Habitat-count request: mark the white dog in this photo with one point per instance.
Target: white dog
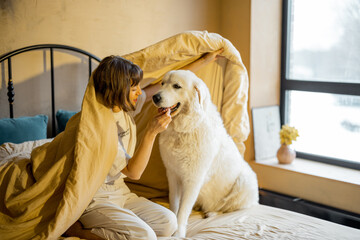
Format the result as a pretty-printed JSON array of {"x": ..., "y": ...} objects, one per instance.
[{"x": 203, "y": 164}]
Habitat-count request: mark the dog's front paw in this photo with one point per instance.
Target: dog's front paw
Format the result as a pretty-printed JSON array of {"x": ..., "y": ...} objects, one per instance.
[
  {"x": 210, "y": 214},
  {"x": 180, "y": 232}
]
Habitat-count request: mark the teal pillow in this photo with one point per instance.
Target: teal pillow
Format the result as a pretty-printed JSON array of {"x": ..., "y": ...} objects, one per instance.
[
  {"x": 22, "y": 129},
  {"x": 62, "y": 117}
]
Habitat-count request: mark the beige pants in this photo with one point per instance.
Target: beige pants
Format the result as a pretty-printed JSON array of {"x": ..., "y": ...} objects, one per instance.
[{"x": 138, "y": 219}]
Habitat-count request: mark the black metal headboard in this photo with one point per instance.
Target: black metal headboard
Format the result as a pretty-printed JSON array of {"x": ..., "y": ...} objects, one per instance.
[{"x": 51, "y": 47}]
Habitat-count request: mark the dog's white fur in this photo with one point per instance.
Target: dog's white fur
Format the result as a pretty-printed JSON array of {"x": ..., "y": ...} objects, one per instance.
[{"x": 202, "y": 162}]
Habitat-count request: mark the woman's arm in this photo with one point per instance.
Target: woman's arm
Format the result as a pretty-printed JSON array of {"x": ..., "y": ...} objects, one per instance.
[
  {"x": 204, "y": 60},
  {"x": 139, "y": 161},
  {"x": 194, "y": 66}
]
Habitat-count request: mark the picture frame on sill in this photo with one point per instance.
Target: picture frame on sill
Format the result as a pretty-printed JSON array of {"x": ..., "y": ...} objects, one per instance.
[{"x": 266, "y": 127}]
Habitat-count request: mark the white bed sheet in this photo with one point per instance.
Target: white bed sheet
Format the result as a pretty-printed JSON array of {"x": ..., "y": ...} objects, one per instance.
[
  {"x": 264, "y": 222},
  {"x": 259, "y": 222}
]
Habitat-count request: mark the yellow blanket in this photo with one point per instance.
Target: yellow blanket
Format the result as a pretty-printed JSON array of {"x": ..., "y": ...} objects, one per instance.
[
  {"x": 42, "y": 196},
  {"x": 226, "y": 78}
]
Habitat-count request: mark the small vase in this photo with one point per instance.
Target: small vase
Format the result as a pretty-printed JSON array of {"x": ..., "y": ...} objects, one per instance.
[{"x": 285, "y": 154}]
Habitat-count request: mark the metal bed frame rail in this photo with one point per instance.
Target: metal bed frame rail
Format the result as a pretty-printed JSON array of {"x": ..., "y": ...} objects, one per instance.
[{"x": 51, "y": 47}]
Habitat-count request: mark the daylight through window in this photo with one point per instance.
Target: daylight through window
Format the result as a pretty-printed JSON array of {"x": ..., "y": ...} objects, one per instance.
[{"x": 320, "y": 85}]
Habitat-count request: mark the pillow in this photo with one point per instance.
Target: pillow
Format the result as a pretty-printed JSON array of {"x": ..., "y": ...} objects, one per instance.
[
  {"x": 62, "y": 117},
  {"x": 18, "y": 130}
]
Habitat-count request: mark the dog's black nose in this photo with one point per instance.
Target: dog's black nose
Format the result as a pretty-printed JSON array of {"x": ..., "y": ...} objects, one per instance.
[{"x": 156, "y": 98}]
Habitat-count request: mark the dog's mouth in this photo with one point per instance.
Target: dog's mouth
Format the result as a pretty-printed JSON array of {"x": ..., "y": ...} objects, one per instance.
[{"x": 173, "y": 108}]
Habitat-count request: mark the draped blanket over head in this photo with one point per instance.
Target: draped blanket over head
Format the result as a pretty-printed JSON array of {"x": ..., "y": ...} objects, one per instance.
[
  {"x": 42, "y": 196},
  {"x": 227, "y": 80}
]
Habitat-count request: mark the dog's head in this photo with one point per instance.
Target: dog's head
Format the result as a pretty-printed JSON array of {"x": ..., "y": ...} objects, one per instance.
[{"x": 183, "y": 93}]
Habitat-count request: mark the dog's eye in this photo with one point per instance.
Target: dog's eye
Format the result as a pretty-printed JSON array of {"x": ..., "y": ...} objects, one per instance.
[
  {"x": 162, "y": 83},
  {"x": 176, "y": 86}
]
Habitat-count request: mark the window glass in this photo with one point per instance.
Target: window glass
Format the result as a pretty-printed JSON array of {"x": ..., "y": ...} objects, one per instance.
[
  {"x": 324, "y": 41},
  {"x": 328, "y": 124}
]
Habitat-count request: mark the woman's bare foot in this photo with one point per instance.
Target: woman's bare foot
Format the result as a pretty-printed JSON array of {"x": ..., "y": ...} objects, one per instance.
[{"x": 78, "y": 230}]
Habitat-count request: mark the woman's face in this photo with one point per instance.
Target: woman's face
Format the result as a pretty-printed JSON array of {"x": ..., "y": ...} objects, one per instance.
[{"x": 135, "y": 91}]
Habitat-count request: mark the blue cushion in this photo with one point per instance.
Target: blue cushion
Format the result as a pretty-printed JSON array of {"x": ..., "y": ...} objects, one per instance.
[
  {"x": 22, "y": 129},
  {"x": 62, "y": 117}
]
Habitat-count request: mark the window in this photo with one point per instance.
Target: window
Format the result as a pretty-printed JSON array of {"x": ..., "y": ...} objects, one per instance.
[{"x": 320, "y": 79}]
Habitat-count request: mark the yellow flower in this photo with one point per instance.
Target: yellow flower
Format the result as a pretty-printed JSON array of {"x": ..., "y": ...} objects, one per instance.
[{"x": 288, "y": 134}]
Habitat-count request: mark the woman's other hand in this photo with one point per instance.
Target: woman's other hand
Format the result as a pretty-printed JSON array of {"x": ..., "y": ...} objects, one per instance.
[
  {"x": 212, "y": 56},
  {"x": 203, "y": 60}
]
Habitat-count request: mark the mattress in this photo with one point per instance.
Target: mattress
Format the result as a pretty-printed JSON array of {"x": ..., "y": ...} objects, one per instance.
[
  {"x": 264, "y": 222},
  {"x": 258, "y": 222}
]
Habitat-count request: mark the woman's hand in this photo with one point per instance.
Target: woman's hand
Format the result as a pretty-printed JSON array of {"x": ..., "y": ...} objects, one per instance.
[
  {"x": 204, "y": 60},
  {"x": 212, "y": 56},
  {"x": 159, "y": 123}
]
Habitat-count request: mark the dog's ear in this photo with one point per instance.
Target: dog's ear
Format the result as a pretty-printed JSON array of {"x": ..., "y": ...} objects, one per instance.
[
  {"x": 198, "y": 93},
  {"x": 202, "y": 93}
]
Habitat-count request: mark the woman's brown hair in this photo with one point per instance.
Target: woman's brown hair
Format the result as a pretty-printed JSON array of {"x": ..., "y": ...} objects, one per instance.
[{"x": 113, "y": 79}]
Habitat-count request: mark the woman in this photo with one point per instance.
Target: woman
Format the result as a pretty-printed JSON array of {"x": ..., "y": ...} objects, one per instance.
[{"x": 115, "y": 212}]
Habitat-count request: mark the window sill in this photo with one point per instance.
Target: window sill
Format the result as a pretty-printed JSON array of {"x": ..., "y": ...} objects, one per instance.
[{"x": 314, "y": 181}]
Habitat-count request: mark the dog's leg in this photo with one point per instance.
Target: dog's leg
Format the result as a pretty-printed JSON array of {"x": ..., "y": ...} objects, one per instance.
[
  {"x": 190, "y": 192},
  {"x": 174, "y": 192}
]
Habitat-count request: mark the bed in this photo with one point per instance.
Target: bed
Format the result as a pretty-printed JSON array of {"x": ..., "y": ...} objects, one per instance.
[{"x": 24, "y": 129}]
